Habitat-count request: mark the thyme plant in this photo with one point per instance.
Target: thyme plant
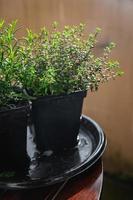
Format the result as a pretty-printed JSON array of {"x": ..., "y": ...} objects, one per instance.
[
  {"x": 8, "y": 64},
  {"x": 51, "y": 62},
  {"x": 61, "y": 62}
]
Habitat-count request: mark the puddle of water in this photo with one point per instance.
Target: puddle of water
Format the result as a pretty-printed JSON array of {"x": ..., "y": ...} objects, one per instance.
[{"x": 116, "y": 190}]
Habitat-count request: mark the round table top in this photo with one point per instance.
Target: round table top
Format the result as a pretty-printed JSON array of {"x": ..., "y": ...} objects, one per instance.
[{"x": 86, "y": 186}]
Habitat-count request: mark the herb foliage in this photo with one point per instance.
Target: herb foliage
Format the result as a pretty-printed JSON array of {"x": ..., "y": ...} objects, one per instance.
[{"x": 51, "y": 62}]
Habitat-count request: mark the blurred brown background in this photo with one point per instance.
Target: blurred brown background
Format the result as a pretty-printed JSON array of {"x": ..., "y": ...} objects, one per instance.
[{"x": 112, "y": 105}]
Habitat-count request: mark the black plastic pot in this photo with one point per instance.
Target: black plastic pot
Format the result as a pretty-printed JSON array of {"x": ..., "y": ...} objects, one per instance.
[
  {"x": 13, "y": 138},
  {"x": 56, "y": 121}
]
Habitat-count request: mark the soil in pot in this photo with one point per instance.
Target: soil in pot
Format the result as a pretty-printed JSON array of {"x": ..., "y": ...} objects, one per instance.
[
  {"x": 13, "y": 138},
  {"x": 56, "y": 121}
]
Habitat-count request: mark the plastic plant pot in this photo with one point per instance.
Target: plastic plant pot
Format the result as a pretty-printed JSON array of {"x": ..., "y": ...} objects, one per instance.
[
  {"x": 56, "y": 121},
  {"x": 13, "y": 138}
]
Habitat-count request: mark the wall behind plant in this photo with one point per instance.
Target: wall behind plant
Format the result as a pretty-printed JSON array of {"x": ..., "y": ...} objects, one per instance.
[{"x": 112, "y": 105}]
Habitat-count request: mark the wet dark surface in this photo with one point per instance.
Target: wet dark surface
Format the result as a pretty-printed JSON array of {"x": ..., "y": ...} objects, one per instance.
[
  {"x": 50, "y": 168},
  {"x": 85, "y": 186}
]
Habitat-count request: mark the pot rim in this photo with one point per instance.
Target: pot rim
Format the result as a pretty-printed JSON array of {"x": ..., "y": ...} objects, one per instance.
[
  {"x": 21, "y": 106},
  {"x": 61, "y": 96}
]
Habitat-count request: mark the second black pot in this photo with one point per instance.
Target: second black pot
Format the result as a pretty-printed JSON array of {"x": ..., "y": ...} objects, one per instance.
[
  {"x": 13, "y": 139},
  {"x": 56, "y": 121}
]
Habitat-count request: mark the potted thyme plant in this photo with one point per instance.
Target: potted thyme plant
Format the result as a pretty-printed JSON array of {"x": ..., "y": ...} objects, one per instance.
[
  {"x": 51, "y": 71},
  {"x": 57, "y": 69},
  {"x": 13, "y": 106}
]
